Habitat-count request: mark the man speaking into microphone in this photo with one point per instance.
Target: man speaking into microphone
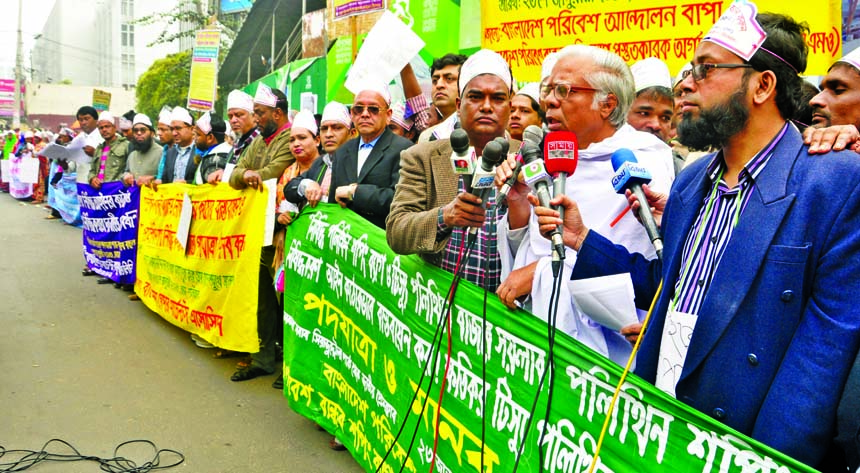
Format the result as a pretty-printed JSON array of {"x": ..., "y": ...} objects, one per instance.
[
  {"x": 434, "y": 206},
  {"x": 588, "y": 93}
]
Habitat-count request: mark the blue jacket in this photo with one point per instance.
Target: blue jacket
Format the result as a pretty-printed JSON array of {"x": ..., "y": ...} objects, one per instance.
[{"x": 779, "y": 327}]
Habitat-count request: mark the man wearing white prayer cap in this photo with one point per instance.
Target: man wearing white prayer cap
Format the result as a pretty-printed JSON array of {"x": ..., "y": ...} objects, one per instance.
[
  {"x": 215, "y": 153},
  {"x": 588, "y": 92},
  {"x": 179, "y": 163},
  {"x": 313, "y": 186},
  {"x": 401, "y": 125},
  {"x": 653, "y": 108},
  {"x": 162, "y": 128},
  {"x": 240, "y": 114},
  {"x": 433, "y": 224},
  {"x": 759, "y": 270},
  {"x": 265, "y": 158},
  {"x": 145, "y": 156},
  {"x": 525, "y": 110},
  {"x": 110, "y": 157},
  {"x": 838, "y": 103}
]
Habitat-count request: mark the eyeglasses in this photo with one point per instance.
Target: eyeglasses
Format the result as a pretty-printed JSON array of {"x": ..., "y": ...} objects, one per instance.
[
  {"x": 562, "y": 90},
  {"x": 139, "y": 131},
  {"x": 700, "y": 71},
  {"x": 373, "y": 109}
]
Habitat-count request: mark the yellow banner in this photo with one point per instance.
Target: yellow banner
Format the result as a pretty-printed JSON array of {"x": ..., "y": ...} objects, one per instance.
[
  {"x": 210, "y": 288},
  {"x": 525, "y": 31},
  {"x": 204, "y": 70}
]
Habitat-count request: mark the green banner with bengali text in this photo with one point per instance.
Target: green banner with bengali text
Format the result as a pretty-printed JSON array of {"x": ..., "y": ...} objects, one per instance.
[{"x": 359, "y": 327}]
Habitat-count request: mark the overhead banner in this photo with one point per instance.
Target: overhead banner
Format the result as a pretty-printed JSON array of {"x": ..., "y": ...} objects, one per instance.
[
  {"x": 204, "y": 70},
  {"x": 209, "y": 288},
  {"x": 525, "y": 31},
  {"x": 7, "y": 97},
  {"x": 109, "y": 217},
  {"x": 346, "y": 8},
  {"x": 359, "y": 327}
]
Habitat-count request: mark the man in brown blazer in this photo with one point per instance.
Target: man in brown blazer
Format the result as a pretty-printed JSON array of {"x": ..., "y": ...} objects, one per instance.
[{"x": 431, "y": 212}]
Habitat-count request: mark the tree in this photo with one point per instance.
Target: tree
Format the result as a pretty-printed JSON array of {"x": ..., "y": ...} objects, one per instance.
[
  {"x": 164, "y": 83},
  {"x": 195, "y": 13}
]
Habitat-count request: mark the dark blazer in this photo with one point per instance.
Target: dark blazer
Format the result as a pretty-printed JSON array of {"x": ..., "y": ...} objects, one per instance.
[
  {"x": 170, "y": 163},
  {"x": 779, "y": 328},
  {"x": 379, "y": 175}
]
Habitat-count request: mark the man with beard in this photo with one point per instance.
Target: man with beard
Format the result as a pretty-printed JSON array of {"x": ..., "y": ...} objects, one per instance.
[
  {"x": 756, "y": 323},
  {"x": 145, "y": 156},
  {"x": 588, "y": 92},
  {"x": 215, "y": 153},
  {"x": 265, "y": 158}
]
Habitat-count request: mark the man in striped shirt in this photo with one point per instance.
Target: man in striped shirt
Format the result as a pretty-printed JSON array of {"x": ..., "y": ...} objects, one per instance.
[{"x": 760, "y": 269}]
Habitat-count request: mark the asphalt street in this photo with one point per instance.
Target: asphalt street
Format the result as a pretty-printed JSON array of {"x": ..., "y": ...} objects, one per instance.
[{"x": 82, "y": 363}]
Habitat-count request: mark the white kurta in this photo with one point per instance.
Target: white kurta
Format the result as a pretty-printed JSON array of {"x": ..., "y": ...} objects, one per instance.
[{"x": 590, "y": 187}]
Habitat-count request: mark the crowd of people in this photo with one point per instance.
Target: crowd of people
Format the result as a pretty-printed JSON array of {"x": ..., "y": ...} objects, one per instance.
[{"x": 753, "y": 322}]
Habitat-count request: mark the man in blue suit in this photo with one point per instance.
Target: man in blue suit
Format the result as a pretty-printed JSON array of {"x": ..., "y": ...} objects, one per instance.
[{"x": 757, "y": 323}]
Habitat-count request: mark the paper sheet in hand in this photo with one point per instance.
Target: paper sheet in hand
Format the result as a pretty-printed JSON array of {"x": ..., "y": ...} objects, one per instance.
[
  {"x": 29, "y": 170},
  {"x": 6, "y": 170},
  {"x": 380, "y": 59},
  {"x": 55, "y": 151},
  {"x": 184, "y": 225},
  {"x": 607, "y": 300},
  {"x": 75, "y": 149},
  {"x": 269, "y": 229}
]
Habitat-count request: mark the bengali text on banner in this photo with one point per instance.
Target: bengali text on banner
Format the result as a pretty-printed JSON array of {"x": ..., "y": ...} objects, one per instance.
[
  {"x": 525, "y": 31},
  {"x": 209, "y": 288},
  {"x": 359, "y": 327},
  {"x": 109, "y": 216}
]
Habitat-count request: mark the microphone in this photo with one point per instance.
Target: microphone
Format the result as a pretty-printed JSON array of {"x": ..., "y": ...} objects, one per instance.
[
  {"x": 485, "y": 174},
  {"x": 561, "y": 154},
  {"x": 629, "y": 174},
  {"x": 506, "y": 146},
  {"x": 535, "y": 175},
  {"x": 463, "y": 156},
  {"x": 532, "y": 134}
]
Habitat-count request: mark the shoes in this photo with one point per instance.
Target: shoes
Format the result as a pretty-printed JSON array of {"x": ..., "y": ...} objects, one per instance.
[
  {"x": 200, "y": 341},
  {"x": 251, "y": 372},
  {"x": 128, "y": 287},
  {"x": 117, "y": 285},
  {"x": 223, "y": 353},
  {"x": 51, "y": 217},
  {"x": 133, "y": 297},
  {"x": 279, "y": 383},
  {"x": 87, "y": 272},
  {"x": 104, "y": 281},
  {"x": 336, "y": 445}
]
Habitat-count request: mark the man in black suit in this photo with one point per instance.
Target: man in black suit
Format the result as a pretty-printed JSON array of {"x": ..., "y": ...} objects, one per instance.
[{"x": 366, "y": 169}]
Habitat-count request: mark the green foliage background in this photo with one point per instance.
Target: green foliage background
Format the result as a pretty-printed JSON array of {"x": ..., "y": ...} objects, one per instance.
[{"x": 164, "y": 83}]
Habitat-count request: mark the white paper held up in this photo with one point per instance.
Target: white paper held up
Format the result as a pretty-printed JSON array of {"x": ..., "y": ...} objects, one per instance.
[
  {"x": 29, "y": 170},
  {"x": 184, "y": 225},
  {"x": 380, "y": 59},
  {"x": 607, "y": 300},
  {"x": 269, "y": 229}
]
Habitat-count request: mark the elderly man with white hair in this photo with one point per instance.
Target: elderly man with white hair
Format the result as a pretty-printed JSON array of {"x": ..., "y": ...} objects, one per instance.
[{"x": 589, "y": 93}]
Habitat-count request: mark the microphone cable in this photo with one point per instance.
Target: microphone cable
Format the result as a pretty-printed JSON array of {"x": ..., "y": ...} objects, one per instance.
[
  {"x": 116, "y": 464},
  {"x": 552, "y": 330}
]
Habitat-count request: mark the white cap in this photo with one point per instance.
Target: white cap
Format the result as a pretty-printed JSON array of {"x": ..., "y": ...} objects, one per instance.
[
  {"x": 738, "y": 30},
  {"x": 336, "y": 112},
  {"x": 239, "y": 99},
  {"x": 482, "y": 62},
  {"x": 547, "y": 65},
  {"x": 651, "y": 72},
  {"x": 142, "y": 120},
  {"x": 305, "y": 119},
  {"x": 164, "y": 115},
  {"x": 265, "y": 96},
  {"x": 379, "y": 88},
  {"x": 398, "y": 111},
  {"x": 204, "y": 123},
  {"x": 124, "y": 123},
  {"x": 532, "y": 89},
  {"x": 179, "y": 114},
  {"x": 852, "y": 58},
  {"x": 28, "y": 134},
  {"x": 680, "y": 75},
  {"x": 105, "y": 117},
  {"x": 68, "y": 132}
]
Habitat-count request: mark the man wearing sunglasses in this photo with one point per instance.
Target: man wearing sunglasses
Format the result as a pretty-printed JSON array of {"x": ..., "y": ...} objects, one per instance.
[
  {"x": 760, "y": 269},
  {"x": 366, "y": 169},
  {"x": 589, "y": 92}
]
